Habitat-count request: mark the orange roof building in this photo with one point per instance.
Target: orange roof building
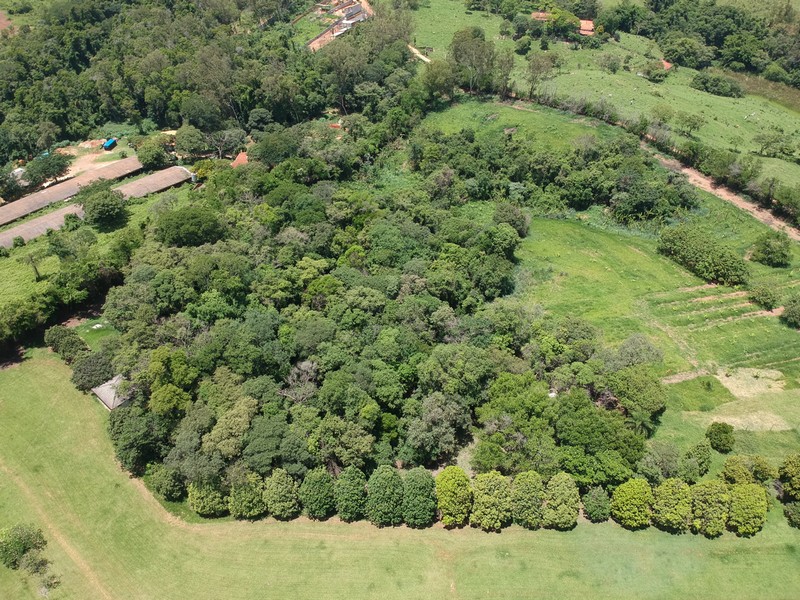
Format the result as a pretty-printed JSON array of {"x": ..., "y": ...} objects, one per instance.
[
  {"x": 587, "y": 27},
  {"x": 241, "y": 159}
]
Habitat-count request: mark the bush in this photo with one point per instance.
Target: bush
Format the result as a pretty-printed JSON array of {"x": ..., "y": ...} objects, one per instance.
[
  {"x": 104, "y": 209},
  {"x": 385, "y": 497},
  {"x": 718, "y": 85},
  {"x": 597, "y": 505},
  {"x": 791, "y": 311},
  {"x": 17, "y": 541},
  {"x": 491, "y": 506},
  {"x": 66, "y": 343},
  {"x": 631, "y": 504},
  {"x": 789, "y": 474},
  {"x": 792, "y": 513},
  {"x": 527, "y": 496},
  {"x": 152, "y": 155},
  {"x": 91, "y": 370},
  {"x": 316, "y": 494},
  {"x": 350, "y": 494},
  {"x": 748, "y": 509},
  {"x": 207, "y": 500},
  {"x": 246, "y": 500},
  {"x": 46, "y": 167},
  {"x": 765, "y": 296},
  {"x": 720, "y": 436},
  {"x": 672, "y": 506},
  {"x": 419, "y": 498},
  {"x": 774, "y": 249},
  {"x": 189, "y": 226},
  {"x": 710, "y": 505},
  {"x": 701, "y": 454},
  {"x": 165, "y": 482},
  {"x": 703, "y": 255},
  {"x": 453, "y": 496},
  {"x": 281, "y": 496},
  {"x": 743, "y": 468},
  {"x": 18, "y": 242},
  {"x": 561, "y": 502}
]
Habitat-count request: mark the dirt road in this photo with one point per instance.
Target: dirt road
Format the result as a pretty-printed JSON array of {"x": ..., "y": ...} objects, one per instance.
[{"x": 419, "y": 54}]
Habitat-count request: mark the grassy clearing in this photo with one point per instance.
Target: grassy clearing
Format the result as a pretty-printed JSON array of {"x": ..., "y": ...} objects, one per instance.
[
  {"x": 108, "y": 539},
  {"x": 94, "y": 331}
]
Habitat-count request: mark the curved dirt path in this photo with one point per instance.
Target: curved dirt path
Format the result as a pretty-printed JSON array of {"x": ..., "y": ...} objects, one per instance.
[
  {"x": 55, "y": 534},
  {"x": 697, "y": 179},
  {"x": 419, "y": 54}
]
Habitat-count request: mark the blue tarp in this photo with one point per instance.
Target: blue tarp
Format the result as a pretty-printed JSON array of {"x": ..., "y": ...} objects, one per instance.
[{"x": 109, "y": 144}]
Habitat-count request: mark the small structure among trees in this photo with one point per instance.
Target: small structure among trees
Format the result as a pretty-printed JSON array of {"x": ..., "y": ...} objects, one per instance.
[{"x": 108, "y": 393}]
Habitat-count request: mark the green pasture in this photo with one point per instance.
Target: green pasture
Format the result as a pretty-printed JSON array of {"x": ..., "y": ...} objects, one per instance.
[{"x": 108, "y": 538}]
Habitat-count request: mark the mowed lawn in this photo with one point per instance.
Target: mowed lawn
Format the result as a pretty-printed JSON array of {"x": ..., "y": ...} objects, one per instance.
[{"x": 109, "y": 539}]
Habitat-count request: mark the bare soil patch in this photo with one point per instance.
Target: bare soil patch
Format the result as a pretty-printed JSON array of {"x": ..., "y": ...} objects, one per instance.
[
  {"x": 759, "y": 420},
  {"x": 750, "y": 383},
  {"x": 5, "y": 22}
]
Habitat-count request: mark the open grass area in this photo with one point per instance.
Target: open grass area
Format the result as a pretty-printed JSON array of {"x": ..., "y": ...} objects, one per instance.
[{"x": 110, "y": 539}]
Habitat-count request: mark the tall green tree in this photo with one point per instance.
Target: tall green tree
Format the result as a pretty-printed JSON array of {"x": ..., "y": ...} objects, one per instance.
[
  {"x": 385, "y": 497},
  {"x": 454, "y": 496}
]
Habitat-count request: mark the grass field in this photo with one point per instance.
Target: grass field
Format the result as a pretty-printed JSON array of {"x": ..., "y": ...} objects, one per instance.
[{"x": 108, "y": 539}]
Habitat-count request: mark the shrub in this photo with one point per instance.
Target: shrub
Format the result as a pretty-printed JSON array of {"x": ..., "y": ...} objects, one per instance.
[
  {"x": 719, "y": 85},
  {"x": 597, "y": 505},
  {"x": 189, "y": 226},
  {"x": 207, "y": 500},
  {"x": 419, "y": 498},
  {"x": 316, "y": 494},
  {"x": 703, "y": 255},
  {"x": 350, "y": 494},
  {"x": 700, "y": 453},
  {"x": 453, "y": 496},
  {"x": 789, "y": 474},
  {"x": 104, "y": 209},
  {"x": 710, "y": 504},
  {"x": 748, "y": 509},
  {"x": 17, "y": 541},
  {"x": 743, "y": 468},
  {"x": 91, "y": 370},
  {"x": 246, "y": 500},
  {"x": 527, "y": 496},
  {"x": 672, "y": 505},
  {"x": 765, "y": 296},
  {"x": 792, "y": 513},
  {"x": 165, "y": 482},
  {"x": 720, "y": 436},
  {"x": 491, "y": 506},
  {"x": 66, "y": 343},
  {"x": 774, "y": 249},
  {"x": 561, "y": 502},
  {"x": 631, "y": 504},
  {"x": 152, "y": 155},
  {"x": 791, "y": 311},
  {"x": 18, "y": 242},
  {"x": 385, "y": 497},
  {"x": 280, "y": 495}
]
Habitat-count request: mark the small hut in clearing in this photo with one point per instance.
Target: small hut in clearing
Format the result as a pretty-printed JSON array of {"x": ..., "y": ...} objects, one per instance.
[{"x": 108, "y": 393}]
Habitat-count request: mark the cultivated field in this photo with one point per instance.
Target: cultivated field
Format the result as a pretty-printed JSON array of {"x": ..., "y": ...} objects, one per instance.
[{"x": 110, "y": 539}]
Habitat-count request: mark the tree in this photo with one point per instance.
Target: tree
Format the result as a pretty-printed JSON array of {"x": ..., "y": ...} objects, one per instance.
[
  {"x": 473, "y": 57},
  {"x": 454, "y": 496},
  {"x": 165, "y": 481},
  {"x": 792, "y": 513},
  {"x": 697, "y": 460},
  {"x": 169, "y": 400},
  {"x": 246, "y": 499},
  {"x": 207, "y": 499},
  {"x": 17, "y": 541},
  {"x": 720, "y": 436},
  {"x": 227, "y": 437},
  {"x": 748, "y": 509},
  {"x": 672, "y": 505},
  {"x": 597, "y": 505},
  {"x": 419, "y": 498},
  {"x": 439, "y": 79},
  {"x": 339, "y": 443},
  {"x": 527, "y": 497},
  {"x": 45, "y": 168},
  {"x": 190, "y": 141},
  {"x": 385, "y": 497},
  {"x": 152, "y": 155},
  {"x": 350, "y": 494},
  {"x": 710, "y": 505},
  {"x": 492, "y": 505},
  {"x": 227, "y": 141},
  {"x": 561, "y": 502},
  {"x": 281, "y": 495},
  {"x": 689, "y": 122},
  {"x": 92, "y": 370},
  {"x": 631, "y": 504},
  {"x": 744, "y": 468},
  {"x": 540, "y": 68},
  {"x": 189, "y": 226},
  {"x": 773, "y": 248},
  {"x": 789, "y": 474},
  {"x": 317, "y": 495}
]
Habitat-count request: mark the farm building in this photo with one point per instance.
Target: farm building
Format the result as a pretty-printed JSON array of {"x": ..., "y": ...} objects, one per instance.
[
  {"x": 108, "y": 393},
  {"x": 241, "y": 159}
]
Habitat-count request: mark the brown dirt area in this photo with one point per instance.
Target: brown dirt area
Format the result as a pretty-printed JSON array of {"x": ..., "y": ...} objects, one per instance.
[{"x": 5, "y": 22}]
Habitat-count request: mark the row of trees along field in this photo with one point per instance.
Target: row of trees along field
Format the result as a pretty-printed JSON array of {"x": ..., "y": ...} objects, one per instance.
[{"x": 738, "y": 500}]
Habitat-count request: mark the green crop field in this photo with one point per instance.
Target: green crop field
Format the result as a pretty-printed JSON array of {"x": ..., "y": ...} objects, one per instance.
[{"x": 108, "y": 538}]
